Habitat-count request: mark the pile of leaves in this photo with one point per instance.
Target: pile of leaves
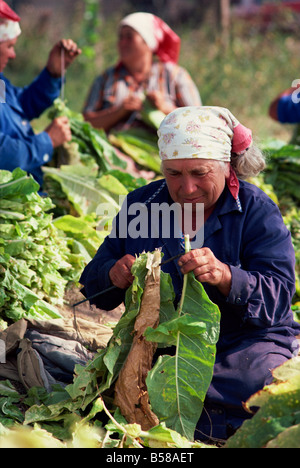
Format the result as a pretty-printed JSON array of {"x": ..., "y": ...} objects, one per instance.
[
  {"x": 92, "y": 146},
  {"x": 88, "y": 145},
  {"x": 36, "y": 264},
  {"x": 160, "y": 405},
  {"x": 140, "y": 145},
  {"x": 87, "y": 204}
]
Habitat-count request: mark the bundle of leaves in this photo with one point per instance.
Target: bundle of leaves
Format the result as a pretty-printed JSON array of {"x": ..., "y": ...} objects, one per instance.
[
  {"x": 88, "y": 145},
  {"x": 283, "y": 169},
  {"x": 147, "y": 403},
  {"x": 35, "y": 262}
]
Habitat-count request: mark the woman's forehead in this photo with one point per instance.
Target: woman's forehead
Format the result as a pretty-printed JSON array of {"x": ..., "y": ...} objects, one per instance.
[
  {"x": 190, "y": 164},
  {"x": 127, "y": 30}
]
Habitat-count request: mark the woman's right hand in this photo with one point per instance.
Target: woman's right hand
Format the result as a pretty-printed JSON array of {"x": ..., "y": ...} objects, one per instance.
[
  {"x": 132, "y": 103},
  {"x": 120, "y": 274}
]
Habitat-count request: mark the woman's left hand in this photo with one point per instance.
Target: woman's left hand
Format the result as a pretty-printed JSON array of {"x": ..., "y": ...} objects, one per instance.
[
  {"x": 207, "y": 269},
  {"x": 70, "y": 51}
]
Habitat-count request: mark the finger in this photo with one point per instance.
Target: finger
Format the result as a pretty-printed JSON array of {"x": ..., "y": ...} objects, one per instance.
[
  {"x": 203, "y": 274},
  {"x": 70, "y": 47},
  {"x": 62, "y": 120},
  {"x": 194, "y": 259},
  {"x": 68, "y": 136},
  {"x": 189, "y": 257},
  {"x": 125, "y": 270}
]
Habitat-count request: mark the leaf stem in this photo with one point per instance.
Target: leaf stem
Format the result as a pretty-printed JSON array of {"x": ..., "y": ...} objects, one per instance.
[
  {"x": 120, "y": 427},
  {"x": 187, "y": 248}
]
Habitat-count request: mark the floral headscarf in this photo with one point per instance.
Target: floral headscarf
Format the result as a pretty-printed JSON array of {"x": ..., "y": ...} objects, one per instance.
[{"x": 202, "y": 132}]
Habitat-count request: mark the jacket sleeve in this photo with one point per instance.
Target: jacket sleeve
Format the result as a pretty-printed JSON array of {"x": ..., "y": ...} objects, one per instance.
[
  {"x": 287, "y": 110},
  {"x": 28, "y": 154},
  {"x": 264, "y": 285},
  {"x": 39, "y": 95},
  {"x": 95, "y": 277}
]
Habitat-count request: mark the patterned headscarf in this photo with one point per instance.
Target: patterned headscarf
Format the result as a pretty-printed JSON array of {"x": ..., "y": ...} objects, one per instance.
[
  {"x": 9, "y": 23},
  {"x": 202, "y": 132},
  {"x": 159, "y": 37}
]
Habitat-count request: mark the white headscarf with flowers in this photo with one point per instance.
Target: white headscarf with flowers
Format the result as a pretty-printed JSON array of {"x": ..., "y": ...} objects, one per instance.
[{"x": 202, "y": 132}]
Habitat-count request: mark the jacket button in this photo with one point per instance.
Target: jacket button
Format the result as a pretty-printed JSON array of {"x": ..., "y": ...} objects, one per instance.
[{"x": 238, "y": 300}]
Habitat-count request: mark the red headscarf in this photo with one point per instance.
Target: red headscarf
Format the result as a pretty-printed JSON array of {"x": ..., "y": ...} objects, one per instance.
[{"x": 160, "y": 38}]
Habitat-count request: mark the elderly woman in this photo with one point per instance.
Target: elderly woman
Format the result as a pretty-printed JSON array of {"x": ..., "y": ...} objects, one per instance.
[
  {"x": 246, "y": 262},
  {"x": 20, "y": 146},
  {"x": 148, "y": 55}
]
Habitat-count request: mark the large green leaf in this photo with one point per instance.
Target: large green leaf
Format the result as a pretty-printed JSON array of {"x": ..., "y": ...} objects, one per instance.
[
  {"x": 17, "y": 181},
  {"x": 177, "y": 385},
  {"x": 289, "y": 438},
  {"x": 84, "y": 195},
  {"x": 278, "y": 412}
]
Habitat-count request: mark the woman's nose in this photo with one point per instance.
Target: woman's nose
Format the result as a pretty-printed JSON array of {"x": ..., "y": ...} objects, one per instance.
[{"x": 189, "y": 186}]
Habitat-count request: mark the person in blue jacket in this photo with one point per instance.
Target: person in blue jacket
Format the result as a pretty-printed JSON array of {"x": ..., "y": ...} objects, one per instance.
[
  {"x": 285, "y": 108},
  {"x": 245, "y": 259},
  {"x": 20, "y": 146}
]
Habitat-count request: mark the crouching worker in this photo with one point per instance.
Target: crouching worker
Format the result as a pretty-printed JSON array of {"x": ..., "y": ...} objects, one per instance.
[{"x": 246, "y": 263}]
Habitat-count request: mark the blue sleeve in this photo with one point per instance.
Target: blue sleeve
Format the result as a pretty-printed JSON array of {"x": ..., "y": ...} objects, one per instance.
[
  {"x": 39, "y": 95},
  {"x": 95, "y": 277},
  {"x": 287, "y": 110},
  {"x": 28, "y": 154}
]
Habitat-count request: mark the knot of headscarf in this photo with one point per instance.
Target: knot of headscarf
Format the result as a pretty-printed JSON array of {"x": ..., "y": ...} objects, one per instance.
[{"x": 202, "y": 132}]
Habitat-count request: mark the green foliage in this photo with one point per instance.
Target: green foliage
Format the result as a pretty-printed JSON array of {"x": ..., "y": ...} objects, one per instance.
[
  {"x": 140, "y": 149},
  {"x": 35, "y": 263},
  {"x": 277, "y": 421},
  {"x": 177, "y": 384},
  {"x": 91, "y": 143},
  {"x": 79, "y": 403},
  {"x": 280, "y": 181}
]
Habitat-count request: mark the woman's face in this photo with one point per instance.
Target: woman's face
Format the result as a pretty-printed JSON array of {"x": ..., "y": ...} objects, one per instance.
[
  {"x": 195, "y": 181},
  {"x": 131, "y": 45},
  {"x": 7, "y": 52}
]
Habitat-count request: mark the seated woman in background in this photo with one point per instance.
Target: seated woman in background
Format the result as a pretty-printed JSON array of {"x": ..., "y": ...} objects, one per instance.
[{"x": 117, "y": 95}]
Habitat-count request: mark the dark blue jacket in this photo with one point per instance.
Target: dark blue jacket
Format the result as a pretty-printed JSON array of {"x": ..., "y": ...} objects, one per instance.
[
  {"x": 288, "y": 109},
  {"x": 19, "y": 145},
  {"x": 257, "y": 327}
]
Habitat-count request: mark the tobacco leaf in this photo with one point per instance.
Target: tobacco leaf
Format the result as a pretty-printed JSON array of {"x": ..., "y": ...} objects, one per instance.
[
  {"x": 130, "y": 389},
  {"x": 177, "y": 385}
]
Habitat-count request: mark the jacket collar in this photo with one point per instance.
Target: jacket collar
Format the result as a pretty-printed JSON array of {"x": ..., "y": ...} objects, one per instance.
[{"x": 225, "y": 205}]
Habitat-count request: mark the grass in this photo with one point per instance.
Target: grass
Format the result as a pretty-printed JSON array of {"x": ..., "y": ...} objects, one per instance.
[{"x": 244, "y": 77}]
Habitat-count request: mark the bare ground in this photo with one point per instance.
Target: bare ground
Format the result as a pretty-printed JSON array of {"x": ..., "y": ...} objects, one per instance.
[{"x": 87, "y": 311}]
